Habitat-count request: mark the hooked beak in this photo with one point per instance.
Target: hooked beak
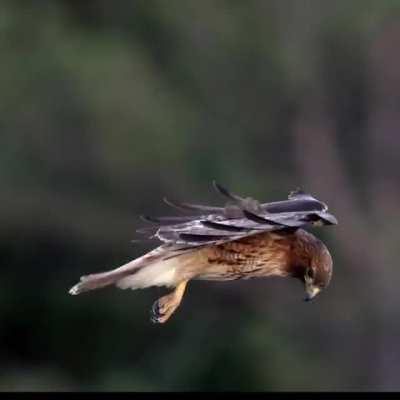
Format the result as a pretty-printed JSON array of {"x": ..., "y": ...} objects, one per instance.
[{"x": 311, "y": 292}]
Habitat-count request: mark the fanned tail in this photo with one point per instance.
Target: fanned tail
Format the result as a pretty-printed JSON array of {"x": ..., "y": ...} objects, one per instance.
[
  {"x": 94, "y": 281},
  {"x": 102, "y": 279}
]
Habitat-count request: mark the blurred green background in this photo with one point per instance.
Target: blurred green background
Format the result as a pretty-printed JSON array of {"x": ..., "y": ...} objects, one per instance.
[{"x": 107, "y": 106}]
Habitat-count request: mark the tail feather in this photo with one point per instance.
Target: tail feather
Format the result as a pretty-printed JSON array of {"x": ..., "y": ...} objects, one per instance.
[
  {"x": 102, "y": 279},
  {"x": 93, "y": 281}
]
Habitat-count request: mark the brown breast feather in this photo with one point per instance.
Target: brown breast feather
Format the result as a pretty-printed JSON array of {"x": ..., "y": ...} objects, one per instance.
[{"x": 265, "y": 254}]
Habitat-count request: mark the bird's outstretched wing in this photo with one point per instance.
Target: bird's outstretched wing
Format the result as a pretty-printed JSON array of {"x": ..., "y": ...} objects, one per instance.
[{"x": 240, "y": 217}]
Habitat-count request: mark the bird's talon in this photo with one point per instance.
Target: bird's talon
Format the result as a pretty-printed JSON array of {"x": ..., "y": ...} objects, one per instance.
[
  {"x": 155, "y": 309},
  {"x": 156, "y": 313}
]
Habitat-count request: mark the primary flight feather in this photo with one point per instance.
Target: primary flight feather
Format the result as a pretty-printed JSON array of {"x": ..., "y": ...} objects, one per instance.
[{"x": 244, "y": 239}]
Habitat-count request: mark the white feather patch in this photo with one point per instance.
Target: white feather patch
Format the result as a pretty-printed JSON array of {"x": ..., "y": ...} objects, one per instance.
[{"x": 158, "y": 274}]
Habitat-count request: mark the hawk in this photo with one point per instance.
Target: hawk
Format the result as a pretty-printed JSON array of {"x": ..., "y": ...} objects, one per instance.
[{"x": 244, "y": 239}]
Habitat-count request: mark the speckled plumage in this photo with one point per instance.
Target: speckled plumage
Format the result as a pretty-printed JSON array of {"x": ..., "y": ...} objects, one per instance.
[{"x": 243, "y": 240}]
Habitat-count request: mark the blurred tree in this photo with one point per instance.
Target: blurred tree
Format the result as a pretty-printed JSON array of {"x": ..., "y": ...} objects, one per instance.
[{"x": 108, "y": 106}]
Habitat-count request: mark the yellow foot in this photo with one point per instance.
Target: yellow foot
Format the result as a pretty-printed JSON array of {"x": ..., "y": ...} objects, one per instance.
[{"x": 164, "y": 307}]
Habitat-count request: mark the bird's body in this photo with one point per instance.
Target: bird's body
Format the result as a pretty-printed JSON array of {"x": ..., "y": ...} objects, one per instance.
[
  {"x": 255, "y": 256},
  {"x": 241, "y": 241}
]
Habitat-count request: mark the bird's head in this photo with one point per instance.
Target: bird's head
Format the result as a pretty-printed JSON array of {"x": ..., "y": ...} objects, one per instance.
[{"x": 318, "y": 274}]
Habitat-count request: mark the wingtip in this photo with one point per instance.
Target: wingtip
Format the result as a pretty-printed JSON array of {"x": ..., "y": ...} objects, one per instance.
[
  {"x": 217, "y": 186},
  {"x": 331, "y": 219},
  {"x": 177, "y": 206},
  {"x": 147, "y": 218},
  {"x": 225, "y": 192},
  {"x": 167, "y": 202}
]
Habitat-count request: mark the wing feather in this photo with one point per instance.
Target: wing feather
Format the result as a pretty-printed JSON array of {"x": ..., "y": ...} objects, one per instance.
[
  {"x": 223, "y": 227},
  {"x": 239, "y": 218},
  {"x": 193, "y": 207},
  {"x": 166, "y": 220},
  {"x": 259, "y": 219}
]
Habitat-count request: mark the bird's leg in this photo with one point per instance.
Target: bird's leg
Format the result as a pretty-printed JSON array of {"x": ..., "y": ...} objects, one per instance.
[{"x": 165, "y": 306}]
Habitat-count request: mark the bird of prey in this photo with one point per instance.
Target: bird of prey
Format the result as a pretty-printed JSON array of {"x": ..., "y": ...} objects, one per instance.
[{"x": 244, "y": 239}]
